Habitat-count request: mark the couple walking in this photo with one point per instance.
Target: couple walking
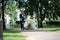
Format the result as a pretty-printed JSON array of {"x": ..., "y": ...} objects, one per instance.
[{"x": 29, "y": 23}]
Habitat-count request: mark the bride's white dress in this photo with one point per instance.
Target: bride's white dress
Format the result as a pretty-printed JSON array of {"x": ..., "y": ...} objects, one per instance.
[{"x": 29, "y": 21}]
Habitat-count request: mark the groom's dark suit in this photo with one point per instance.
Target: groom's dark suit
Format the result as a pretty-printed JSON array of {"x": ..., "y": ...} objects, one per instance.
[{"x": 22, "y": 20}]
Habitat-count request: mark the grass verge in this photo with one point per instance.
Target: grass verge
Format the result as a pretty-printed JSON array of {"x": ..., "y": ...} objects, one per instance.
[
  {"x": 50, "y": 29},
  {"x": 12, "y": 35}
]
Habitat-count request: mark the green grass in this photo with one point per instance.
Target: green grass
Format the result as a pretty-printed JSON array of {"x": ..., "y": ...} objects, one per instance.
[
  {"x": 12, "y": 35},
  {"x": 55, "y": 28},
  {"x": 50, "y": 29}
]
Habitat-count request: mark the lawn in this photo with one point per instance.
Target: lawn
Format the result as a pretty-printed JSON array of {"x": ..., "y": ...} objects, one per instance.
[
  {"x": 55, "y": 28},
  {"x": 12, "y": 35},
  {"x": 50, "y": 29}
]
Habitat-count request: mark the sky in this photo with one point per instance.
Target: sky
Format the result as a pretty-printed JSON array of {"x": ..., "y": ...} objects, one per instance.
[{"x": 23, "y": 0}]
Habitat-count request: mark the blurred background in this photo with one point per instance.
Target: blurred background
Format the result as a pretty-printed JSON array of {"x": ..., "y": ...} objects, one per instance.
[{"x": 47, "y": 12}]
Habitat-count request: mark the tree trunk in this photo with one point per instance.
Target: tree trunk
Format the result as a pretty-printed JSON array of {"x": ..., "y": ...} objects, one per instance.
[
  {"x": 38, "y": 18},
  {"x": 3, "y": 14},
  {"x": 40, "y": 9},
  {"x": 1, "y": 30}
]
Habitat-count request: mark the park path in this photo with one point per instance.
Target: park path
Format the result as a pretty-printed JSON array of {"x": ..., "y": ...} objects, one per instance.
[{"x": 41, "y": 35}]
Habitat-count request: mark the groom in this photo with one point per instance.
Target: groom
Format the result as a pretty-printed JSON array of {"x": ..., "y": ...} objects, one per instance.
[{"x": 21, "y": 16}]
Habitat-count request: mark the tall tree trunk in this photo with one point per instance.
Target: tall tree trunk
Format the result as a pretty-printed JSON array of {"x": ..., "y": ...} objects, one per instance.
[
  {"x": 31, "y": 10},
  {"x": 40, "y": 9},
  {"x": 3, "y": 14},
  {"x": 37, "y": 16}
]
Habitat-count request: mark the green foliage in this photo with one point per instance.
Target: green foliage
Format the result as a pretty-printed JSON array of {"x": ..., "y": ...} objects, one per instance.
[
  {"x": 15, "y": 25},
  {"x": 11, "y": 10},
  {"x": 51, "y": 10},
  {"x": 47, "y": 10}
]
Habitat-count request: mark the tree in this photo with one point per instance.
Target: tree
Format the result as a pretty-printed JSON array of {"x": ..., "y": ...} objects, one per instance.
[
  {"x": 11, "y": 10},
  {"x": 3, "y": 15}
]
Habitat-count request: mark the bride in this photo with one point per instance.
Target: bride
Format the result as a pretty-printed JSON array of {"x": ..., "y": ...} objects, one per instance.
[{"x": 30, "y": 23}]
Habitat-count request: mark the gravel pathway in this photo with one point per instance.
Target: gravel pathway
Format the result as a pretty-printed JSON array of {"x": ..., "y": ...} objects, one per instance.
[{"x": 43, "y": 35}]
